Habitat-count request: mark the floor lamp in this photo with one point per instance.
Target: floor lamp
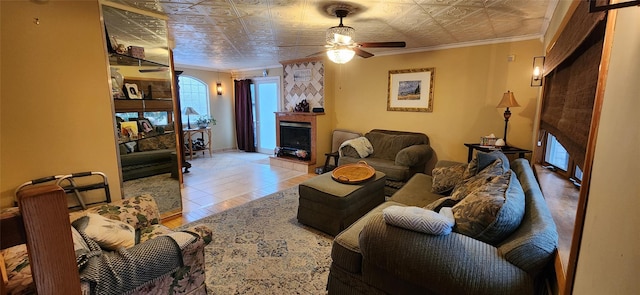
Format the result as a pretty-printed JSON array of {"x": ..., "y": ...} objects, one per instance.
[
  {"x": 508, "y": 101},
  {"x": 190, "y": 111}
]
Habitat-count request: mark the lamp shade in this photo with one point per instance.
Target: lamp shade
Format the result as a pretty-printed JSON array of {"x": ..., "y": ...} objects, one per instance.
[
  {"x": 508, "y": 101},
  {"x": 190, "y": 111},
  {"x": 340, "y": 55}
]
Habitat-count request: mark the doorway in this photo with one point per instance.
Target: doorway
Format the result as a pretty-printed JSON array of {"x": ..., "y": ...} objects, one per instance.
[{"x": 265, "y": 94}]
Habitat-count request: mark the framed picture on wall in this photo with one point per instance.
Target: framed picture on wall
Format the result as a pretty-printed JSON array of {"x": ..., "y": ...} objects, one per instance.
[
  {"x": 411, "y": 90},
  {"x": 132, "y": 91}
]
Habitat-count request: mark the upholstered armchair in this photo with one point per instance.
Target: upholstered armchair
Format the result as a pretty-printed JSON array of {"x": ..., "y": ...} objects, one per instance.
[{"x": 53, "y": 257}]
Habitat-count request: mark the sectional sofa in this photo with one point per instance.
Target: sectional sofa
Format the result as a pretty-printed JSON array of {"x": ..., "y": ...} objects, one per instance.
[{"x": 501, "y": 241}]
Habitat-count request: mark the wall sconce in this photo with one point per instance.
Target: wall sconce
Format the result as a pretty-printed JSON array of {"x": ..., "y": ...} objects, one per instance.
[
  {"x": 219, "y": 88},
  {"x": 537, "y": 74}
]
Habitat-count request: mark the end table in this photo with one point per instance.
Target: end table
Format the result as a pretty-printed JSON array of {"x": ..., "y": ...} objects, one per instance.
[{"x": 487, "y": 149}]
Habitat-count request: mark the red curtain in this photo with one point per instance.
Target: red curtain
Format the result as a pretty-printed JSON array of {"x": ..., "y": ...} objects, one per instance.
[{"x": 244, "y": 116}]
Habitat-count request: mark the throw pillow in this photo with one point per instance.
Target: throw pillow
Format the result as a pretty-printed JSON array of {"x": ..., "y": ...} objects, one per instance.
[
  {"x": 493, "y": 211},
  {"x": 149, "y": 144},
  {"x": 79, "y": 244},
  {"x": 482, "y": 160},
  {"x": 468, "y": 185},
  {"x": 131, "y": 146},
  {"x": 485, "y": 159},
  {"x": 419, "y": 219},
  {"x": 108, "y": 233},
  {"x": 446, "y": 178},
  {"x": 167, "y": 141}
]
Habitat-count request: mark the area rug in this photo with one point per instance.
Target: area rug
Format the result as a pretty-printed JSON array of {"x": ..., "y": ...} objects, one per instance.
[
  {"x": 164, "y": 189},
  {"x": 261, "y": 248}
]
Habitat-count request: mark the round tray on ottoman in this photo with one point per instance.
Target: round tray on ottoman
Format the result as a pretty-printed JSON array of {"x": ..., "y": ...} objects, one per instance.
[{"x": 353, "y": 173}]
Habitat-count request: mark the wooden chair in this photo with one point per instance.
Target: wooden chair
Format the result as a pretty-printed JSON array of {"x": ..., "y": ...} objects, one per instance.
[{"x": 43, "y": 224}]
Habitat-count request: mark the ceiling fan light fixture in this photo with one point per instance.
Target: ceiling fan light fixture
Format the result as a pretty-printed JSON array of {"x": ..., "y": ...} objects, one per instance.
[
  {"x": 340, "y": 55},
  {"x": 340, "y": 35}
]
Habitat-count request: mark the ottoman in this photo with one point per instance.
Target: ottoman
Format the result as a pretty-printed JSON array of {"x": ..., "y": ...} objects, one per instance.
[{"x": 330, "y": 206}]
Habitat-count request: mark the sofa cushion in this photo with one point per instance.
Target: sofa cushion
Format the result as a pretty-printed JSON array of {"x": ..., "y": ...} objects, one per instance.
[
  {"x": 413, "y": 155},
  {"x": 416, "y": 192},
  {"x": 388, "y": 167},
  {"x": 438, "y": 204},
  {"x": 534, "y": 242},
  {"x": 446, "y": 178},
  {"x": 419, "y": 219},
  {"x": 345, "y": 251},
  {"x": 493, "y": 211},
  {"x": 387, "y": 146},
  {"x": 108, "y": 233},
  {"x": 160, "y": 142},
  {"x": 472, "y": 183}
]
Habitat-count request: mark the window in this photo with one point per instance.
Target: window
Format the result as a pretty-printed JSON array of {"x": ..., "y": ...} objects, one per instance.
[
  {"x": 157, "y": 118},
  {"x": 194, "y": 93},
  {"x": 127, "y": 116},
  {"x": 557, "y": 157},
  {"x": 555, "y": 154}
]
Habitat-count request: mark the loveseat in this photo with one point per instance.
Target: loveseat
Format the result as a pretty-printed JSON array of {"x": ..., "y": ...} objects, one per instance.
[
  {"x": 148, "y": 156},
  {"x": 398, "y": 154},
  {"x": 376, "y": 256},
  {"x": 148, "y": 267}
]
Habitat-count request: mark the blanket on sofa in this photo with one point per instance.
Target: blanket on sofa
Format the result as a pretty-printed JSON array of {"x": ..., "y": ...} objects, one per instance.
[
  {"x": 360, "y": 144},
  {"x": 124, "y": 270}
]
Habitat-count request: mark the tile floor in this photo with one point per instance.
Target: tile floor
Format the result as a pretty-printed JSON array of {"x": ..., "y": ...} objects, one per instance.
[{"x": 229, "y": 179}]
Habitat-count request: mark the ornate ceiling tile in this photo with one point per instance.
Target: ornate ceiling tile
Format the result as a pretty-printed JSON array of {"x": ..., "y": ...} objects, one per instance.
[{"x": 236, "y": 34}]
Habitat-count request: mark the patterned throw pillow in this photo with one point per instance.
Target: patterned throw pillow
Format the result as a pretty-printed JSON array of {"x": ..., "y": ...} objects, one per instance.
[
  {"x": 167, "y": 141},
  {"x": 149, "y": 144},
  {"x": 108, "y": 233},
  {"x": 493, "y": 211},
  {"x": 446, "y": 178},
  {"x": 419, "y": 219},
  {"x": 468, "y": 185},
  {"x": 482, "y": 160}
]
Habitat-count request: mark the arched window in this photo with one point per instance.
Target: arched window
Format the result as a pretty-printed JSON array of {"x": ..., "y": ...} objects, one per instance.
[{"x": 195, "y": 94}]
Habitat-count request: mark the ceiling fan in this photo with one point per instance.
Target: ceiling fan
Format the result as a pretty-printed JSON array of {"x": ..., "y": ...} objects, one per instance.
[{"x": 341, "y": 47}]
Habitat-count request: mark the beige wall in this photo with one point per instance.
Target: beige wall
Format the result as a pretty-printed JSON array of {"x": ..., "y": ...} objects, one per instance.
[
  {"x": 469, "y": 83},
  {"x": 56, "y": 113},
  {"x": 610, "y": 247},
  {"x": 221, "y": 106}
]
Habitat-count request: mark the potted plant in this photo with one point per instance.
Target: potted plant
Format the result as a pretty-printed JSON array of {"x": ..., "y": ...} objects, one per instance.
[{"x": 205, "y": 121}]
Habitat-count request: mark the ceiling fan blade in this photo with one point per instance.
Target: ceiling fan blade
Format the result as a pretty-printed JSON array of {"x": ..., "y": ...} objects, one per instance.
[
  {"x": 317, "y": 53},
  {"x": 382, "y": 44},
  {"x": 362, "y": 53},
  {"x": 300, "y": 45}
]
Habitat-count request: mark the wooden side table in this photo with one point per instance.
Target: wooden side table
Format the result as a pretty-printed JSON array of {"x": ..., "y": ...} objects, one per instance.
[
  {"x": 487, "y": 149},
  {"x": 188, "y": 134}
]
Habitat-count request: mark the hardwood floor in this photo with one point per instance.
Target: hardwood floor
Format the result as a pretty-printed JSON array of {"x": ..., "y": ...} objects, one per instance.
[
  {"x": 229, "y": 179},
  {"x": 562, "y": 200}
]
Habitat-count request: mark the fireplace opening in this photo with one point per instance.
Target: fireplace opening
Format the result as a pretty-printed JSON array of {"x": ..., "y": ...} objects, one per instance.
[{"x": 295, "y": 140}]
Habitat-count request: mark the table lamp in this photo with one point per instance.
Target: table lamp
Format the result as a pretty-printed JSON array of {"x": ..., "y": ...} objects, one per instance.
[
  {"x": 189, "y": 111},
  {"x": 508, "y": 101}
]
